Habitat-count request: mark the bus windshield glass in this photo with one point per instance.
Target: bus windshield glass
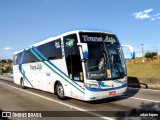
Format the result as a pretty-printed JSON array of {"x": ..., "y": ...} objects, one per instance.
[{"x": 105, "y": 56}]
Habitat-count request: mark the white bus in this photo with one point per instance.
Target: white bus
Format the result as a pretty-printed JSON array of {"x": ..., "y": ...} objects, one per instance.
[{"x": 81, "y": 64}]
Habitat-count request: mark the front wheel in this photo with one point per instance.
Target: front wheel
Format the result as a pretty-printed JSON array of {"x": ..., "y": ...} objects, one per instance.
[{"x": 60, "y": 91}]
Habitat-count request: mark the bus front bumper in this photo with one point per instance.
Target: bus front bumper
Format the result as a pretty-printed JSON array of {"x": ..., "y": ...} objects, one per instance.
[{"x": 96, "y": 94}]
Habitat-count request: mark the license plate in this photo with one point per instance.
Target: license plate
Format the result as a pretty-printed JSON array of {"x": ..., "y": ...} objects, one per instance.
[{"x": 112, "y": 93}]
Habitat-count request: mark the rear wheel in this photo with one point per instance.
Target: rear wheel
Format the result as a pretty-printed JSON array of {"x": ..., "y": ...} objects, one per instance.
[
  {"x": 22, "y": 83},
  {"x": 60, "y": 91}
]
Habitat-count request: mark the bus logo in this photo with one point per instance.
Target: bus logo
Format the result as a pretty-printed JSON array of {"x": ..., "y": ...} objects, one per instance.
[
  {"x": 36, "y": 67},
  {"x": 57, "y": 45},
  {"x": 69, "y": 42}
]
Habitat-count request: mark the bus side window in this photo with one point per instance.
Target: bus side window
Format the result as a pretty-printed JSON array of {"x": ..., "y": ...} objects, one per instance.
[
  {"x": 29, "y": 57},
  {"x": 51, "y": 50},
  {"x": 18, "y": 58},
  {"x": 72, "y": 56},
  {"x": 15, "y": 60}
]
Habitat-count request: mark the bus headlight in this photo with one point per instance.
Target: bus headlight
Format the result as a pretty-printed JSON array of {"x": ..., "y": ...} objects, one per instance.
[{"x": 92, "y": 85}]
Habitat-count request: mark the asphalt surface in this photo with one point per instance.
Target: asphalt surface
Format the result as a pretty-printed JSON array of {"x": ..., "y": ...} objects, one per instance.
[{"x": 135, "y": 104}]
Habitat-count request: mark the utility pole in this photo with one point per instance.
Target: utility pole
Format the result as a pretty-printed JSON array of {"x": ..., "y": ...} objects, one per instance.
[{"x": 142, "y": 52}]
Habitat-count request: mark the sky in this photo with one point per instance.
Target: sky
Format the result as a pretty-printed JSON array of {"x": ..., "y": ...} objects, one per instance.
[{"x": 25, "y": 22}]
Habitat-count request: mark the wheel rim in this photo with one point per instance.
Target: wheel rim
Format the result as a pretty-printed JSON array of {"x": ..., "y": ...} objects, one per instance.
[
  {"x": 22, "y": 83},
  {"x": 60, "y": 91}
]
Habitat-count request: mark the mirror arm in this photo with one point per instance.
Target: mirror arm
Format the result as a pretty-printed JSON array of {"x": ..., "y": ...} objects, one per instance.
[
  {"x": 83, "y": 60},
  {"x": 84, "y": 49},
  {"x": 132, "y": 51}
]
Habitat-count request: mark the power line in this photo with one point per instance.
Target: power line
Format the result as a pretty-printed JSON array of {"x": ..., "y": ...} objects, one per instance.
[
  {"x": 144, "y": 51},
  {"x": 147, "y": 43}
]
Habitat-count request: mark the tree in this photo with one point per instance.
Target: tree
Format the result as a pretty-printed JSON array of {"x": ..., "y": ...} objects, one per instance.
[
  {"x": 7, "y": 69},
  {"x": 3, "y": 61},
  {"x": 150, "y": 55}
]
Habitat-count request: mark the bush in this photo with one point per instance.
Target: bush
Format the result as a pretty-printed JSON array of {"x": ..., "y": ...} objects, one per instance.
[
  {"x": 8, "y": 69},
  {"x": 150, "y": 55}
]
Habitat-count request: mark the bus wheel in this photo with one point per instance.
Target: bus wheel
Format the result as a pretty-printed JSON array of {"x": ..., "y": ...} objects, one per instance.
[
  {"x": 22, "y": 83},
  {"x": 60, "y": 91}
]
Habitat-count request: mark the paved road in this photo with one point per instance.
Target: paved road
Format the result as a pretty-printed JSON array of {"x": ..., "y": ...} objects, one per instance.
[{"x": 13, "y": 98}]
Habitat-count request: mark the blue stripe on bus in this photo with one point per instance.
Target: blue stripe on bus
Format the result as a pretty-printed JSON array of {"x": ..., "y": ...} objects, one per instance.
[
  {"x": 22, "y": 56},
  {"x": 24, "y": 76},
  {"x": 39, "y": 53},
  {"x": 42, "y": 56},
  {"x": 20, "y": 68},
  {"x": 108, "y": 89}
]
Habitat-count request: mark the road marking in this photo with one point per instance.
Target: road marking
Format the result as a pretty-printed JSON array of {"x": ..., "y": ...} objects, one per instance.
[
  {"x": 67, "y": 105},
  {"x": 144, "y": 89},
  {"x": 141, "y": 99}
]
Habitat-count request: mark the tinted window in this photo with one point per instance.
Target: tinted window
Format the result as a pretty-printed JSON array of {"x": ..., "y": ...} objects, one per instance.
[
  {"x": 29, "y": 57},
  {"x": 72, "y": 56},
  {"x": 51, "y": 50},
  {"x": 70, "y": 44},
  {"x": 16, "y": 58}
]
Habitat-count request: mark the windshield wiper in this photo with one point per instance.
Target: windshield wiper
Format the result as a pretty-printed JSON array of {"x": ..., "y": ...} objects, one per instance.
[{"x": 106, "y": 53}]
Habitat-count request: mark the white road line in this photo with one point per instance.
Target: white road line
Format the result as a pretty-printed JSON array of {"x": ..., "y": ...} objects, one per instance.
[
  {"x": 141, "y": 99},
  {"x": 144, "y": 89},
  {"x": 67, "y": 105}
]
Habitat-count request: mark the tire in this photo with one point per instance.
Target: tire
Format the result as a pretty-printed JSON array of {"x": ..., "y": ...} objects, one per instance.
[
  {"x": 60, "y": 91},
  {"x": 22, "y": 83}
]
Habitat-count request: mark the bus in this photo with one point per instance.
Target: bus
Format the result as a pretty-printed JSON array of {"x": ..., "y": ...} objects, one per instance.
[{"x": 81, "y": 64}]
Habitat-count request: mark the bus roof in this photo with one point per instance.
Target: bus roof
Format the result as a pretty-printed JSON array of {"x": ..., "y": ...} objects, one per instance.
[{"x": 59, "y": 36}]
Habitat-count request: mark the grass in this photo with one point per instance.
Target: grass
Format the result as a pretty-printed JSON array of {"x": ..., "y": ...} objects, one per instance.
[{"x": 145, "y": 70}]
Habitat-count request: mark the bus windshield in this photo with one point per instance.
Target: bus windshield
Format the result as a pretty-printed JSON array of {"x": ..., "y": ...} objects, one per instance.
[{"x": 106, "y": 59}]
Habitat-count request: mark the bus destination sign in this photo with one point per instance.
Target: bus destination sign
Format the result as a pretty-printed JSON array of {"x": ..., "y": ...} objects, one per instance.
[{"x": 108, "y": 39}]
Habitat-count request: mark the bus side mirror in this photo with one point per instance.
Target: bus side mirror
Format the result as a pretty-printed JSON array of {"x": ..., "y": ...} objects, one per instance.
[
  {"x": 132, "y": 53},
  {"x": 84, "y": 50}
]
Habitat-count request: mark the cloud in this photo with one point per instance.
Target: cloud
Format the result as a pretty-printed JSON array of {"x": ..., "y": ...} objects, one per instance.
[
  {"x": 157, "y": 15},
  {"x": 147, "y": 14},
  {"x": 153, "y": 19},
  {"x": 143, "y": 14},
  {"x": 148, "y": 10},
  {"x": 8, "y": 48}
]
